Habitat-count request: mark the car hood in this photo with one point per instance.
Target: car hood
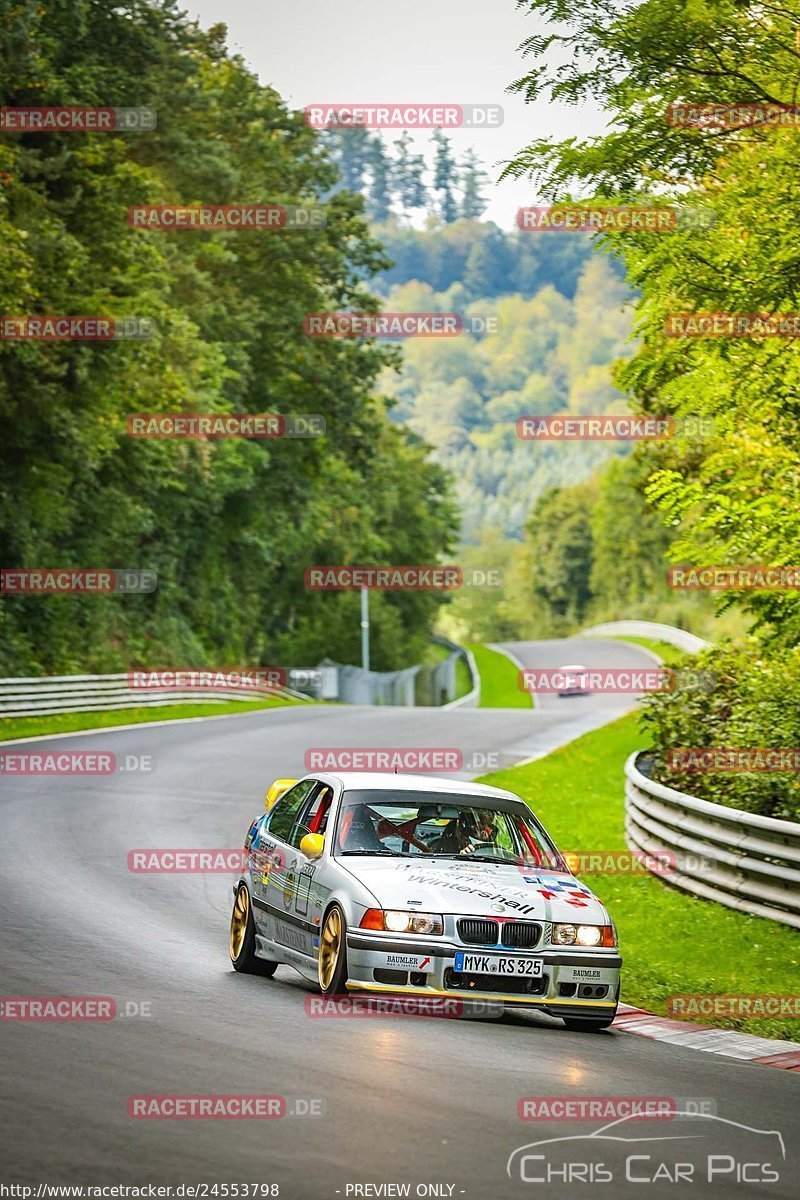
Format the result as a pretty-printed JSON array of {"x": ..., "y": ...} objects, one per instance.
[{"x": 478, "y": 889}]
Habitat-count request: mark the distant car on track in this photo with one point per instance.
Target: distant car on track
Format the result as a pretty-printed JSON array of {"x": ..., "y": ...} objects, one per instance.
[
  {"x": 405, "y": 884},
  {"x": 576, "y": 680}
]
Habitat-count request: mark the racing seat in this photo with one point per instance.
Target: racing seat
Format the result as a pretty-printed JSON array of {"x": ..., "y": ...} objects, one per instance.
[{"x": 361, "y": 834}]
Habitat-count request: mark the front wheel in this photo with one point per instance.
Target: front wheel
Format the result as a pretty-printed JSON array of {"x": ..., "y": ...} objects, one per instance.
[
  {"x": 243, "y": 938},
  {"x": 332, "y": 964}
]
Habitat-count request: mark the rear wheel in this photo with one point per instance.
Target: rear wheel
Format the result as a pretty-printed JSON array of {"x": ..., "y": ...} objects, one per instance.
[
  {"x": 243, "y": 938},
  {"x": 332, "y": 965}
]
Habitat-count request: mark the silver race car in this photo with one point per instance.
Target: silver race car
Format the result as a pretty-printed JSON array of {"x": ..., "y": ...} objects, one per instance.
[{"x": 408, "y": 884}]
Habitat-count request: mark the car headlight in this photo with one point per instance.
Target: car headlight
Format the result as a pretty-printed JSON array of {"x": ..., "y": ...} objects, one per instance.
[
  {"x": 402, "y": 922},
  {"x": 583, "y": 935}
]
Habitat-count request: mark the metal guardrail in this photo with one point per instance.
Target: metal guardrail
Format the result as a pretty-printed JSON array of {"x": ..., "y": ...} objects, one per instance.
[
  {"x": 740, "y": 859},
  {"x": 649, "y": 629},
  {"x": 473, "y": 696},
  {"x": 39, "y": 696},
  {"x": 426, "y": 685}
]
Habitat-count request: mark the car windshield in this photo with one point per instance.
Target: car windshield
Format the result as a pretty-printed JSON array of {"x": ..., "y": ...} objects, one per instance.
[{"x": 434, "y": 825}]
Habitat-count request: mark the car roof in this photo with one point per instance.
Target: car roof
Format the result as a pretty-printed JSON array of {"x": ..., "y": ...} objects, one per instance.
[{"x": 388, "y": 781}]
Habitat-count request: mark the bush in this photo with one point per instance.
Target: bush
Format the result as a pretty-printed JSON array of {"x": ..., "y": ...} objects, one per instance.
[{"x": 731, "y": 696}]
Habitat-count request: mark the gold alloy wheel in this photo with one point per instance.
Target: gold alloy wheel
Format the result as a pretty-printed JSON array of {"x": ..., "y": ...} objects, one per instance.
[
  {"x": 241, "y": 911},
  {"x": 329, "y": 948}
]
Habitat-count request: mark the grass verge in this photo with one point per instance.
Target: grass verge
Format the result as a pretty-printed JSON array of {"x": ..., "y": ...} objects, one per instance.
[
  {"x": 19, "y": 727},
  {"x": 498, "y": 674},
  {"x": 671, "y": 942}
]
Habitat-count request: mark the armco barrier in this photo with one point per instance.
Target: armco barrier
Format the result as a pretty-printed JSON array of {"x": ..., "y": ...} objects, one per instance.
[
  {"x": 38, "y": 696},
  {"x": 745, "y": 861},
  {"x": 648, "y": 629},
  {"x": 428, "y": 685}
]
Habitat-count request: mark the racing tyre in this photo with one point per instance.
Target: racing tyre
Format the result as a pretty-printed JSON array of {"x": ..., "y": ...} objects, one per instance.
[
  {"x": 243, "y": 938},
  {"x": 332, "y": 963},
  {"x": 585, "y": 1025}
]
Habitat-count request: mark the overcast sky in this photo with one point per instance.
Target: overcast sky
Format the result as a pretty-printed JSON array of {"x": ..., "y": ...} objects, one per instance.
[{"x": 461, "y": 51}]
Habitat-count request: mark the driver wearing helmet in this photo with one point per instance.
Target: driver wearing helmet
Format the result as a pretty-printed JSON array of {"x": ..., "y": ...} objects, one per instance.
[{"x": 470, "y": 826}]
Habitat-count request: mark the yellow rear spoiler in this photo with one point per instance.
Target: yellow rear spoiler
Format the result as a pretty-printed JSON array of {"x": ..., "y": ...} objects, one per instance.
[{"x": 276, "y": 790}]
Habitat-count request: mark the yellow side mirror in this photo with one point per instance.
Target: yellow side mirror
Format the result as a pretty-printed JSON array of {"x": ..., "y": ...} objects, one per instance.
[
  {"x": 312, "y": 845},
  {"x": 276, "y": 791}
]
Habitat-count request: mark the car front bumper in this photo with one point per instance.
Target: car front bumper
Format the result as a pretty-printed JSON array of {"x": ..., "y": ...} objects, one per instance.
[{"x": 572, "y": 982}]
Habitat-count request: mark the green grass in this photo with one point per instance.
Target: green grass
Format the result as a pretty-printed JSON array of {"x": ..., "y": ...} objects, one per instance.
[
  {"x": 19, "y": 727},
  {"x": 671, "y": 942},
  {"x": 498, "y": 674},
  {"x": 463, "y": 679},
  {"x": 669, "y": 654}
]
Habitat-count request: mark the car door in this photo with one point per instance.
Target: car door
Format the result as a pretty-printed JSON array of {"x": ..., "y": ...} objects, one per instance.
[
  {"x": 310, "y": 892},
  {"x": 273, "y": 854},
  {"x": 290, "y": 899}
]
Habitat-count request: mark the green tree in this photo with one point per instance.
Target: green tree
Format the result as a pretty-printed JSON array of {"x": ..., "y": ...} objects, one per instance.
[
  {"x": 409, "y": 176},
  {"x": 472, "y": 180},
  {"x": 729, "y": 487},
  {"x": 444, "y": 177},
  {"x": 230, "y": 526}
]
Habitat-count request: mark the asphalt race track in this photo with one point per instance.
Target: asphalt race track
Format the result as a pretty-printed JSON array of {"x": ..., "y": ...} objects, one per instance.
[{"x": 413, "y": 1100}]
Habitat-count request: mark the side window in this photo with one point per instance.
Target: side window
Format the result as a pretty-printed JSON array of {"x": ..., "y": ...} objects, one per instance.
[
  {"x": 281, "y": 819},
  {"x": 313, "y": 817}
]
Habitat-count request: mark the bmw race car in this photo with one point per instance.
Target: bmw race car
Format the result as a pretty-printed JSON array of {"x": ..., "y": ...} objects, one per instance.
[
  {"x": 575, "y": 681},
  {"x": 406, "y": 884}
]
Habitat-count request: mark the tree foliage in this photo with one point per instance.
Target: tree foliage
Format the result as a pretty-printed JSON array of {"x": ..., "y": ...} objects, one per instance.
[
  {"x": 228, "y": 525},
  {"x": 733, "y": 496}
]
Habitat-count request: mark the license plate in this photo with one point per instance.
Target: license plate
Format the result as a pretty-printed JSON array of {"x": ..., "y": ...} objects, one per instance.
[{"x": 495, "y": 964}]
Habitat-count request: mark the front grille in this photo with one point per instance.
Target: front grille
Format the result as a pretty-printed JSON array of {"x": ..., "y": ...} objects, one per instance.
[
  {"x": 478, "y": 933},
  {"x": 458, "y": 981},
  {"x": 522, "y": 935}
]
